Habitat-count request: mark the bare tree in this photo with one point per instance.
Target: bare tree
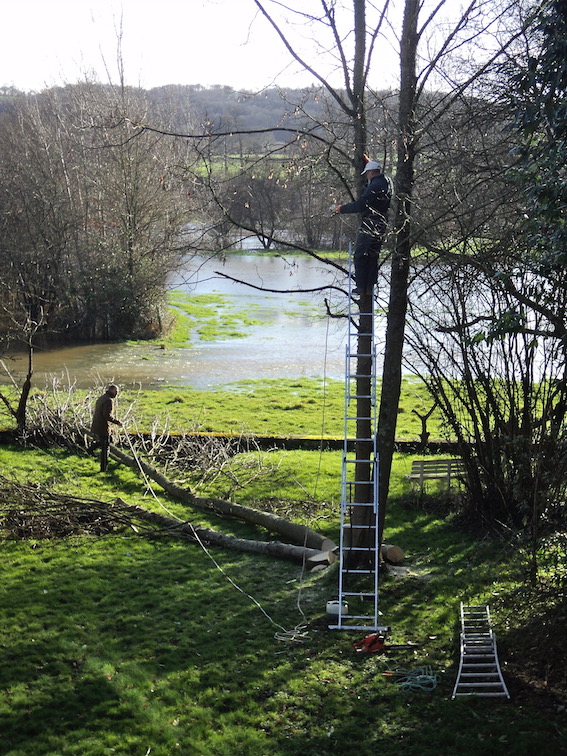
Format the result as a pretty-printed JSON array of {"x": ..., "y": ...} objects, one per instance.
[
  {"x": 422, "y": 28},
  {"x": 443, "y": 62},
  {"x": 91, "y": 217}
]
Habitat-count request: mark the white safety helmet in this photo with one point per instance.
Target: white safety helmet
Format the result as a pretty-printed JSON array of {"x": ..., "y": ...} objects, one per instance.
[{"x": 371, "y": 165}]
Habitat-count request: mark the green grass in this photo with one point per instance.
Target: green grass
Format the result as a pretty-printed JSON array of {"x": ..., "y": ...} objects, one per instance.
[
  {"x": 204, "y": 317},
  {"x": 278, "y": 407},
  {"x": 212, "y": 315},
  {"x": 121, "y": 645}
]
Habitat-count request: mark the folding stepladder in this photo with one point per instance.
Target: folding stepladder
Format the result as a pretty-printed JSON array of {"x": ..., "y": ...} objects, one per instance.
[
  {"x": 479, "y": 668},
  {"x": 359, "y": 548}
]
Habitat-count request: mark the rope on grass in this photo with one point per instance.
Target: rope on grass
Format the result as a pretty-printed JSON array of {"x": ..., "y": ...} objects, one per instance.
[
  {"x": 297, "y": 635},
  {"x": 421, "y": 679}
]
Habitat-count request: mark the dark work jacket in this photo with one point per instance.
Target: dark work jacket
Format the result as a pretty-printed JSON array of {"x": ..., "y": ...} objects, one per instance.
[
  {"x": 102, "y": 415},
  {"x": 373, "y": 205}
]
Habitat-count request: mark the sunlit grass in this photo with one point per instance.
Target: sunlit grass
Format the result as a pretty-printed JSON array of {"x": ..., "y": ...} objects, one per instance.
[
  {"x": 279, "y": 407},
  {"x": 123, "y": 645}
]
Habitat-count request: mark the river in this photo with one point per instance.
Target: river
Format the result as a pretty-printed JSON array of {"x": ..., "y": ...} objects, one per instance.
[{"x": 296, "y": 339}]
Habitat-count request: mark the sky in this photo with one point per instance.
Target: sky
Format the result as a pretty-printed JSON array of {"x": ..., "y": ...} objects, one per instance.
[
  {"x": 53, "y": 42},
  {"x": 228, "y": 42}
]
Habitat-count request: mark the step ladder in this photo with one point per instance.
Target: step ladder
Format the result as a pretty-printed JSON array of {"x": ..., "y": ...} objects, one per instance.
[
  {"x": 359, "y": 560},
  {"x": 479, "y": 669}
]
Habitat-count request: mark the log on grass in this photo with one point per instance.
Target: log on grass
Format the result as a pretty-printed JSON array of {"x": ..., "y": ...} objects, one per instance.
[
  {"x": 297, "y": 554},
  {"x": 392, "y": 554},
  {"x": 295, "y": 533}
]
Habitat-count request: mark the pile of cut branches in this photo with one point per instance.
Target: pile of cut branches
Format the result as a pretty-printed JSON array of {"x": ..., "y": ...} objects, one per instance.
[{"x": 29, "y": 511}]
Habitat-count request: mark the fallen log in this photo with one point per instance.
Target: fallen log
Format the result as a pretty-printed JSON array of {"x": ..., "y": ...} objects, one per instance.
[
  {"x": 298, "y": 554},
  {"x": 294, "y": 532},
  {"x": 28, "y": 511}
]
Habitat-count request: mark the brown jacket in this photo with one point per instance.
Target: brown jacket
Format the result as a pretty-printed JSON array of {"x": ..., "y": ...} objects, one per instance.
[{"x": 102, "y": 416}]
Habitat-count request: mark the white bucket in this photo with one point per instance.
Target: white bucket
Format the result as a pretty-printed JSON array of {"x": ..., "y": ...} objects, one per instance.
[{"x": 334, "y": 608}]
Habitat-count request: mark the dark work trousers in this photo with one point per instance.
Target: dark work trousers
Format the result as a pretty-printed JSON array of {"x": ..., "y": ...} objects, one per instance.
[
  {"x": 103, "y": 442},
  {"x": 366, "y": 261}
]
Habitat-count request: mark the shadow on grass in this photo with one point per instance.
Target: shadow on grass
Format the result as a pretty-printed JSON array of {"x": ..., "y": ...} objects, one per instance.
[{"x": 120, "y": 645}]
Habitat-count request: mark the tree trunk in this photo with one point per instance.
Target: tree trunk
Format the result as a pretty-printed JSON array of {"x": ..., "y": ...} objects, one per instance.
[
  {"x": 24, "y": 396},
  {"x": 395, "y": 328},
  {"x": 357, "y": 97},
  {"x": 297, "y": 554},
  {"x": 362, "y": 535}
]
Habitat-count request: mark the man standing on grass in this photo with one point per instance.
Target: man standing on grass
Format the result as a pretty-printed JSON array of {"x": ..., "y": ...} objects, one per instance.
[
  {"x": 103, "y": 417},
  {"x": 373, "y": 206}
]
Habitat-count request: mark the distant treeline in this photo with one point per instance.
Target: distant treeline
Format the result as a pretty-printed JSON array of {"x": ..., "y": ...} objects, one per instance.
[{"x": 221, "y": 106}]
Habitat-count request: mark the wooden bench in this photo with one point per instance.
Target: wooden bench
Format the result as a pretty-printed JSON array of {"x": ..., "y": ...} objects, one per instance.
[{"x": 433, "y": 468}]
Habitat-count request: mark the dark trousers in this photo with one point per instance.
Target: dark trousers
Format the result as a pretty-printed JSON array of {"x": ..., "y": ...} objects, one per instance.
[
  {"x": 102, "y": 442},
  {"x": 366, "y": 261}
]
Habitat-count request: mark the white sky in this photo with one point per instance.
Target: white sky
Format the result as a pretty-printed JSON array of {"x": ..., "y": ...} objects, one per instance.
[{"x": 52, "y": 42}]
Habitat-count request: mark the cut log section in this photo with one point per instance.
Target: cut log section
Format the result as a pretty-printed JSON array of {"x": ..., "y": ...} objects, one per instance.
[{"x": 392, "y": 554}]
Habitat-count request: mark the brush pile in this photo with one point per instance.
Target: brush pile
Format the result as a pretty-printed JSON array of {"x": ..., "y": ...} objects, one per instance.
[{"x": 29, "y": 511}]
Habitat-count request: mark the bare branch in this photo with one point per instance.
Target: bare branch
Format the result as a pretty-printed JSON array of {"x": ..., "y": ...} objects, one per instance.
[{"x": 330, "y": 287}]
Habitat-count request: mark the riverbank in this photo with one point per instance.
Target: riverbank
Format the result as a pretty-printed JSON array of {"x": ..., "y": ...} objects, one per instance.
[{"x": 277, "y": 326}]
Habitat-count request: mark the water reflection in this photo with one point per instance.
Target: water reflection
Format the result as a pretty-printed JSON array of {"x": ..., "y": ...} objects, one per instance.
[{"x": 296, "y": 338}]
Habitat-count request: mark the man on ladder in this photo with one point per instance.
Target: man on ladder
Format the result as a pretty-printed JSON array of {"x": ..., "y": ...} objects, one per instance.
[
  {"x": 373, "y": 206},
  {"x": 359, "y": 550}
]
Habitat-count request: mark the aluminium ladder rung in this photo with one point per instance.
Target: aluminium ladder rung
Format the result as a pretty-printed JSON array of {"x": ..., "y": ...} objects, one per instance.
[
  {"x": 373, "y": 628},
  {"x": 479, "y": 669},
  {"x": 354, "y": 461},
  {"x": 352, "y": 484},
  {"x": 360, "y": 409},
  {"x": 486, "y": 694},
  {"x": 476, "y": 663},
  {"x": 367, "y": 463}
]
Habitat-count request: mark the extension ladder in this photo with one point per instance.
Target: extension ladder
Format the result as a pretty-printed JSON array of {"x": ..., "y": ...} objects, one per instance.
[
  {"x": 479, "y": 669},
  {"x": 359, "y": 536}
]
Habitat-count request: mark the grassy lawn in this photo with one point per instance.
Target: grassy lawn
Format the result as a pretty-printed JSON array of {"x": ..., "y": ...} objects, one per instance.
[
  {"x": 309, "y": 406},
  {"x": 125, "y": 645},
  {"x": 278, "y": 407}
]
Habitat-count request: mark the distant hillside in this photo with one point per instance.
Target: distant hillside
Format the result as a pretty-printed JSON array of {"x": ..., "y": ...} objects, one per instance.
[{"x": 224, "y": 107}]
